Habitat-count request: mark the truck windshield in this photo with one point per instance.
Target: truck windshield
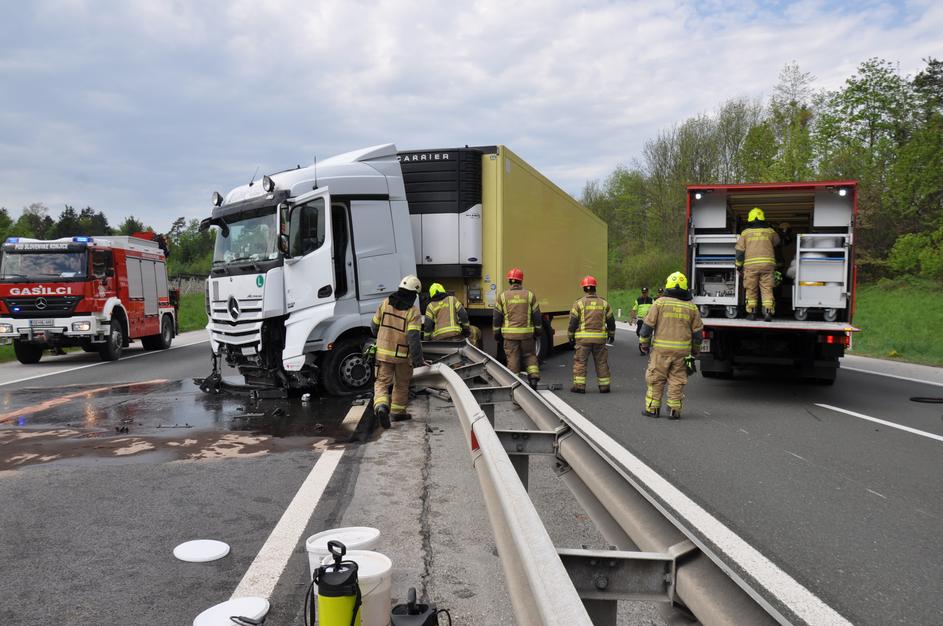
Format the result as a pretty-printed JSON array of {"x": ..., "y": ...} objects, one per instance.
[
  {"x": 42, "y": 265},
  {"x": 252, "y": 236}
]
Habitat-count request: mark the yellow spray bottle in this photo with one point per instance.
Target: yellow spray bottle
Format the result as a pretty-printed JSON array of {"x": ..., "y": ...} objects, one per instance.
[{"x": 338, "y": 591}]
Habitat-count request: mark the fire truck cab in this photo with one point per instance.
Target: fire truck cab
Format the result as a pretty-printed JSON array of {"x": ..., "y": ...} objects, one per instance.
[{"x": 98, "y": 293}]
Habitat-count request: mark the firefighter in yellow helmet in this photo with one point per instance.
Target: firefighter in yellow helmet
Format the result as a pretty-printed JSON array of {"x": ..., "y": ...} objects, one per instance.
[
  {"x": 591, "y": 324},
  {"x": 397, "y": 327},
  {"x": 756, "y": 259},
  {"x": 671, "y": 333},
  {"x": 446, "y": 318},
  {"x": 517, "y": 324}
]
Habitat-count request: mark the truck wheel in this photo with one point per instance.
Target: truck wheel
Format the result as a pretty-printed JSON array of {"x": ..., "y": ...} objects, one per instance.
[
  {"x": 112, "y": 348},
  {"x": 801, "y": 314},
  {"x": 163, "y": 340},
  {"x": 27, "y": 353},
  {"x": 345, "y": 372},
  {"x": 544, "y": 344}
]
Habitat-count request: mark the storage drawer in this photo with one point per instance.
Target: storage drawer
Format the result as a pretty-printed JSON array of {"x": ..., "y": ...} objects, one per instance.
[
  {"x": 821, "y": 270},
  {"x": 825, "y": 297}
]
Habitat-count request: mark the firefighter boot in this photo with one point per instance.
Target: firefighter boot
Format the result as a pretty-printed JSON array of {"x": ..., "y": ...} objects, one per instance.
[
  {"x": 603, "y": 388},
  {"x": 675, "y": 414},
  {"x": 533, "y": 380},
  {"x": 383, "y": 414},
  {"x": 400, "y": 417},
  {"x": 577, "y": 389},
  {"x": 654, "y": 412},
  {"x": 751, "y": 316},
  {"x": 767, "y": 315}
]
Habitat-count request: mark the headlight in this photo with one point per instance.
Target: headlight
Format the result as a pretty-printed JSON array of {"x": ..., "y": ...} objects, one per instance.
[
  {"x": 81, "y": 326},
  {"x": 6, "y": 328}
]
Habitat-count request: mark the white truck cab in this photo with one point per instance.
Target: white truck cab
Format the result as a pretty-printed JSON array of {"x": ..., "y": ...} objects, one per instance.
[{"x": 301, "y": 262}]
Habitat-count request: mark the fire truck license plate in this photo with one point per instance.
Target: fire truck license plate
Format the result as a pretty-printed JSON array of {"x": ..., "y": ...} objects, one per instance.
[
  {"x": 705, "y": 345},
  {"x": 35, "y": 323}
]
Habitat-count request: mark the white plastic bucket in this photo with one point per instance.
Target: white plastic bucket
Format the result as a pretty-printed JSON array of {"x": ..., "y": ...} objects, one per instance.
[
  {"x": 353, "y": 538},
  {"x": 375, "y": 574}
]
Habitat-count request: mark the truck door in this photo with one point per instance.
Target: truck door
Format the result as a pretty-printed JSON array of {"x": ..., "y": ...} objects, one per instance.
[
  {"x": 309, "y": 269},
  {"x": 378, "y": 270}
]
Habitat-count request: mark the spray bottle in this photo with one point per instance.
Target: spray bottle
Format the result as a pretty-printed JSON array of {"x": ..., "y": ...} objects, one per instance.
[{"x": 338, "y": 596}]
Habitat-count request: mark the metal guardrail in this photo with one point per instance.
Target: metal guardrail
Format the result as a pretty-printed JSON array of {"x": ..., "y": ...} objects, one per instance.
[{"x": 665, "y": 547}]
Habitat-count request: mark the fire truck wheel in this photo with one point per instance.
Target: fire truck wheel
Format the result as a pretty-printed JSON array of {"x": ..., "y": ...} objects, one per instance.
[
  {"x": 345, "y": 370},
  {"x": 164, "y": 339},
  {"x": 27, "y": 353},
  {"x": 111, "y": 349}
]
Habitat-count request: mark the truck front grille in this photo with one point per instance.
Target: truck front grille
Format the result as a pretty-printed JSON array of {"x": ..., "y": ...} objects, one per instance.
[{"x": 41, "y": 306}]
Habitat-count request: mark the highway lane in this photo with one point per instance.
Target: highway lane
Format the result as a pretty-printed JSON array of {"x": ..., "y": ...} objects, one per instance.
[{"x": 849, "y": 507}]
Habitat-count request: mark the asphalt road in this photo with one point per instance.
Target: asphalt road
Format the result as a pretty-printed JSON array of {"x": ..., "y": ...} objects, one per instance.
[{"x": 850, "y": 507}]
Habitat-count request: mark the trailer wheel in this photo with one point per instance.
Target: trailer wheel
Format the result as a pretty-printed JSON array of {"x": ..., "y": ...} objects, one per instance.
[
  {"x": 112, "y": 348},
  {"x": 27, "y": 353},
  {"x": 344, "y": 370},
  {"x": 544, "y": 343}
]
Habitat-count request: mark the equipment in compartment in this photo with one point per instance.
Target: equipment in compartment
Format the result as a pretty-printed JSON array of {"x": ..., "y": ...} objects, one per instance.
[
  {"x": 715, "y": 281},
  {"x": 821, "y": 275}
]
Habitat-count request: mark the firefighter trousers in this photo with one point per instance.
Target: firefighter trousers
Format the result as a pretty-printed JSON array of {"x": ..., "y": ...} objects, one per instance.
[
  {"x": 522, "y": 349},
  {"x": 399, "y": 376},
  {"x": 600, "y": 354},
  {"x": 759, "y": 280},
  {"x": 665, "y": 368}
]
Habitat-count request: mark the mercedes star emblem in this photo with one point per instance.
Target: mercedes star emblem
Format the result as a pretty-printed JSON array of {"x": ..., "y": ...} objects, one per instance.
[
  {"x": 233, "y": 306},
  {"x": 41, "y": 303}
]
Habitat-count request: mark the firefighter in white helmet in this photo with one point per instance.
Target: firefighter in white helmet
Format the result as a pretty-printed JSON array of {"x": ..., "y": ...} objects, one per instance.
[{"x": 398, "y": 328}]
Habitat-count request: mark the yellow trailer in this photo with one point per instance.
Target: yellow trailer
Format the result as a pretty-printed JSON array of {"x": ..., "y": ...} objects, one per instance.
[{"x": 526, "y": 221}]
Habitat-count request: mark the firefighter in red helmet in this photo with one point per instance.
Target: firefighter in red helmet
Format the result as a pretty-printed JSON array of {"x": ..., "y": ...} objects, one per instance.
[
  {"x": 592, "y": 325},
  {"x": 517, "y": 324}
]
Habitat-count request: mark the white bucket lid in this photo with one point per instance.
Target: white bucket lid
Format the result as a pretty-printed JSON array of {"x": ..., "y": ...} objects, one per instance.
[
  {"x": 251, "y": 607},
  {"x": 353, "y": 537},
  {"x": 369, "y": 564},
  {"x": 201, "y": 550}
]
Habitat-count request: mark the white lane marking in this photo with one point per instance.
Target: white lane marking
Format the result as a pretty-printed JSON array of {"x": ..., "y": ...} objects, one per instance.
[
  {"x": 922, "y": 433},
  {"x": 268, "y": 565},
  {"x": 795, "y": 455},
  {"x": 678, "y": 508},
  {"x": 907, "y": 378},
  {"x": 877, "y": 494},
  {"x": 82, "y": 367}
]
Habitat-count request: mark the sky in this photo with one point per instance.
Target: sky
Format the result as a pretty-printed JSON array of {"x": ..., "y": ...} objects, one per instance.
[{"x": 146, "y": 107}]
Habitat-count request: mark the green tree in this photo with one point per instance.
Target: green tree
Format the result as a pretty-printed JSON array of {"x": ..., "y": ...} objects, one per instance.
[
  {"x": 131, "y": 225},
  {"x": 34, "y": 222}
]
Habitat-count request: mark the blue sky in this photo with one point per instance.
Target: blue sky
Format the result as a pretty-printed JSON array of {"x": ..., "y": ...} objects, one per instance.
[{"x": 147, "y": 107}]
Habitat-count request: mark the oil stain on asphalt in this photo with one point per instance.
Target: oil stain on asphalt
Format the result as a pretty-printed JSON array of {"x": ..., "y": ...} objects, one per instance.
[{"x": 157, "y": 420}]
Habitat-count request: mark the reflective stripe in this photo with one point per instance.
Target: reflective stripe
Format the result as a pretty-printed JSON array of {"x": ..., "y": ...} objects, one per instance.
[
  {"x": 386, "y": 352},
  {"x": 381, "y": 401},
  {"x": 579, "y": 380},
  {"x": 760, "y": 260},
  {"x": 650, "y": 402},
  {"x": 396, "y": 408},
  {"x": 447, "y": 329},
  {"x": 516, "y": 330},
  {"x": 671, "y": 345},
  {"x": 533, "y": 369},
  {"x": 674, "y": 404},
  {"x": 591, "y": 334},
  {"x": 605, "y": 381}
]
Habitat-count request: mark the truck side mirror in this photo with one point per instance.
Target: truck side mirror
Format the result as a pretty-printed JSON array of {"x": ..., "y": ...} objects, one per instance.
[{"x": 283, "y": 244}]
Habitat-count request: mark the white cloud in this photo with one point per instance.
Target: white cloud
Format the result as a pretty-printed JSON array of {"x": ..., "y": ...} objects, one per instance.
[{"x": 146, "y": 107}]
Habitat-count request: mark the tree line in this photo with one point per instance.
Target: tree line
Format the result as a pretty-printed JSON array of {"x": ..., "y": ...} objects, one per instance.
[
  {"x": 881, "y": 128},
  {"x": 191, "y": 252}
]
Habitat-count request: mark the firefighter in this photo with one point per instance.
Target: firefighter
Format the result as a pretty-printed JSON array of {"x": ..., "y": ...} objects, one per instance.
[
  {"x": 756, "y": 260},
  {"x": 446, "y": 318},
  {"x": 591, "y": 325},
  {"x": 671, "y": 332},
  {"x": 396, "y": 325},
  {"x": 639, "y": 310},
  {"x": 517, "y": 324}
]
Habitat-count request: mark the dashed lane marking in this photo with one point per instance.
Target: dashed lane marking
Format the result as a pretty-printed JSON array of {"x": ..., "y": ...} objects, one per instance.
[
  {"x": 268, "y": 565},
  {"x": 907, "y": 378},
  {"x": 82, "y": 367},
  {"x": 908, "y": 429}
]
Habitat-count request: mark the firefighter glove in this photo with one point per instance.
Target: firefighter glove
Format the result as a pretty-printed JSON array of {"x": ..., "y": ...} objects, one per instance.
[
  {"x": 690, "y": 365},
  {"x": 572, "y": 340},
  {"x": 466, "y": 331},
  {"x": 498, "y": 336},
  {"x": 644, "y": 347},
  {"x": 611, "y": 338}
]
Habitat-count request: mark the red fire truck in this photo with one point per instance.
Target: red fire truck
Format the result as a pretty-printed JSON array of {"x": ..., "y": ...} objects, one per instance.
[{"x": 99, "y": 293}]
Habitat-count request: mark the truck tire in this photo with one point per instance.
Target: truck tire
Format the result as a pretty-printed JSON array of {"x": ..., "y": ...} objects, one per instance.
[
  {"x": 27, "y": 353},
  {"x": 544, "y": 344},
  {"x": 344, "y": 371},
  {"x": 113, "y": 347},
  {"x": 164, "y": 339}
]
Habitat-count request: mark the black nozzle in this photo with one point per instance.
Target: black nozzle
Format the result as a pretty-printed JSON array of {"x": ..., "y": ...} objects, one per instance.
[
  {"x": 411, "y": 607},
  {"x": 337, "y": 550}
]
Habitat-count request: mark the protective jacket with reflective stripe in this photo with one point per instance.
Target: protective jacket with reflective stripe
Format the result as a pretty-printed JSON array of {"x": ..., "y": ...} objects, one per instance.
[
  {"x": 516, "y": 313},
  {"x": 671, "y": 325},
  {"x": 398, "y": 334},
  {"x": 756, "y": 248},
  {"x": 445, "y": 319},
  {"x": 641, "y": 306},
  {"x": 591, "y": 319}
]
